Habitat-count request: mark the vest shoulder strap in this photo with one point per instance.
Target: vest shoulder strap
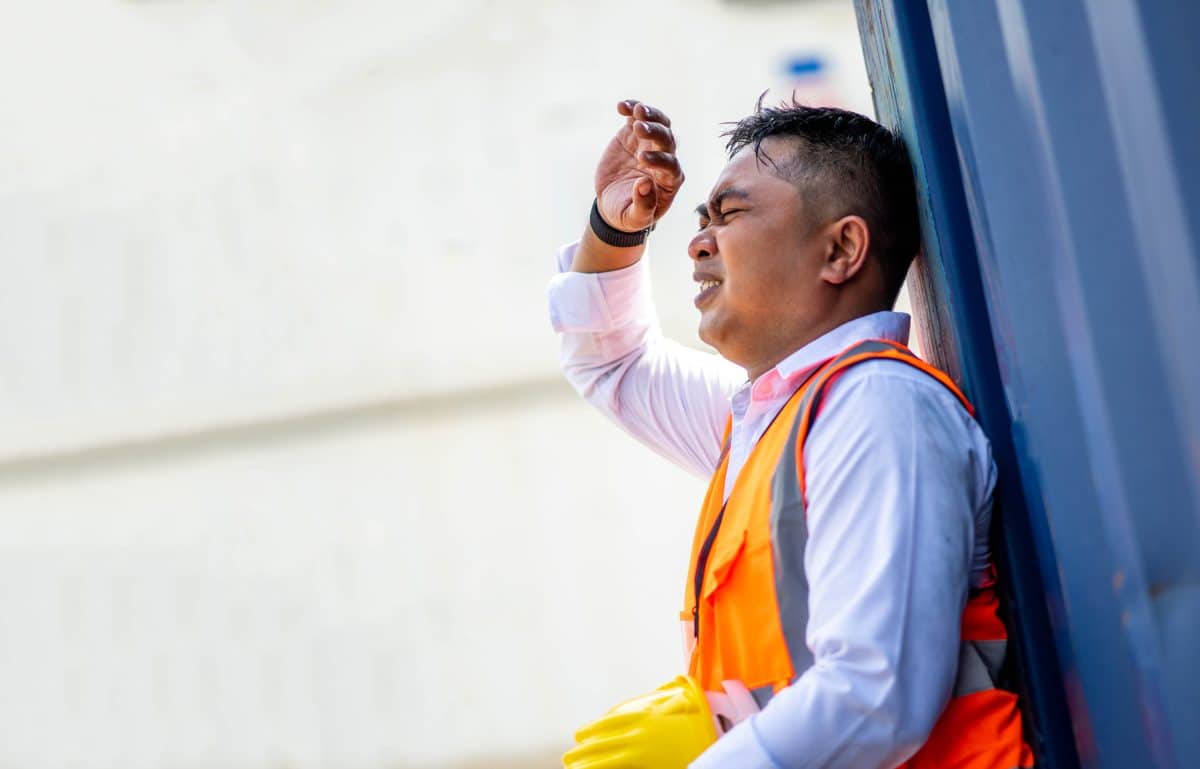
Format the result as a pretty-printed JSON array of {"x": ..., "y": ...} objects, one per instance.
[{"x": 870, "y": 349}]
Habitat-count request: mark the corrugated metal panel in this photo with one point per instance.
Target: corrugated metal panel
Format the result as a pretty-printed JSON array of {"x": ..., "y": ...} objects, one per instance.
[{"x": 1057, "y": 133}]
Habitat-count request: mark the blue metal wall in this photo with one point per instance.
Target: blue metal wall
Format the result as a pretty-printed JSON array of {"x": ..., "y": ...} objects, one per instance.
[{"x": 1057, "y": 148}]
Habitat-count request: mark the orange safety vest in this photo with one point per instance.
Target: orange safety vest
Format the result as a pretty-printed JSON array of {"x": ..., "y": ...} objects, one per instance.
[{"x": 747, "y": 596}]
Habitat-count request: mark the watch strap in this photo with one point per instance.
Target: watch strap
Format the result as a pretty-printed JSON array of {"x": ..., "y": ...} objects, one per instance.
[{"x": 611, "y": 235}]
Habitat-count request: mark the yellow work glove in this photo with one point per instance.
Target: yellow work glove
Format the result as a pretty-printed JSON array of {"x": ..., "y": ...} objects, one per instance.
[{"x": 665, "y": 729}]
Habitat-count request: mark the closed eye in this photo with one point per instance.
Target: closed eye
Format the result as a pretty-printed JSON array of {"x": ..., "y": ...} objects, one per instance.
[{"x": 721, "y": 217}]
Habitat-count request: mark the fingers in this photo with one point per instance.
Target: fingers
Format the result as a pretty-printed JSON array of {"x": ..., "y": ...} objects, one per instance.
[
  {"x": 656, "y": 145},
  {"x": 663, "y": 168},
  {"x": 644, "y": 148},
  {"x": 652, "y": 114},
  {"x": 654, "y": 135},
  {"x": 639, "y": 111},
  {"x": 645, "y": 199}
]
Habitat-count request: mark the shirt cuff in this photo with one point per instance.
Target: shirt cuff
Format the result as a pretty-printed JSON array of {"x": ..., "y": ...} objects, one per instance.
[
  {"x": 739, "y": 747},
  {"x": 601, "y": 301}
]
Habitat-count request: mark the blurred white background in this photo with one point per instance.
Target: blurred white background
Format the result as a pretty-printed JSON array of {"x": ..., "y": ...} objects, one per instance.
[{"x": 288, "y": 476}]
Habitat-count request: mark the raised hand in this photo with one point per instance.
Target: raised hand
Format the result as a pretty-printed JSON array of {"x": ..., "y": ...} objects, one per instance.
[{"x": 638, "y": 175}]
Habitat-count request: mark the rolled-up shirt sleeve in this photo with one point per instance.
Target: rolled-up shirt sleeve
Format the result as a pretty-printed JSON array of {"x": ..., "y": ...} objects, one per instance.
[
  {"x": 894, "y": 484},
  {"x": 670, "y": 397}
]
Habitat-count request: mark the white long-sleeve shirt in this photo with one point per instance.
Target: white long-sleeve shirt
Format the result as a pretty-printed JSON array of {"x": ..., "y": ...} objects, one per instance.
[{"x": 899, "y": 487}]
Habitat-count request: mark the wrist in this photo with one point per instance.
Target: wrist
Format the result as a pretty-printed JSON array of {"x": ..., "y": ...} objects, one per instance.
[
  {"x": 594, "y": 255},
  {"x": 611, "y": 236}
]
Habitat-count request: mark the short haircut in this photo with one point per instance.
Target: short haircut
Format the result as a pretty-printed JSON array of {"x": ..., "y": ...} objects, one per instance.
[{"x": 844, "y": 164}]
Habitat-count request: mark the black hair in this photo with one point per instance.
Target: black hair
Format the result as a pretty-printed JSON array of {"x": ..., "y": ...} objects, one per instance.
[{"x": 845, "y": 163}]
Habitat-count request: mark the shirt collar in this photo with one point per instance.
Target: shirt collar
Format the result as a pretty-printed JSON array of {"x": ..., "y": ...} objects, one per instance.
[{"x": 893, "y": 326}]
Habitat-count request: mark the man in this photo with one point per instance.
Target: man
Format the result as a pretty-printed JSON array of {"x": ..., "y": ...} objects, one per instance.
[{"x": 840, "y": 573}]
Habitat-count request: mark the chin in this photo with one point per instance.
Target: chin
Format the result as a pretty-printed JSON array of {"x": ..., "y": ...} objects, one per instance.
[
  {"x": 718, "y": 338},
  {"x": 710, "y": 336}
]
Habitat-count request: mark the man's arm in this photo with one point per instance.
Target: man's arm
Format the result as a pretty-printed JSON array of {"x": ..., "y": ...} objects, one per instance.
[
  {"x": 894, "y": 480},
  {"x": 672, "y": 398}
]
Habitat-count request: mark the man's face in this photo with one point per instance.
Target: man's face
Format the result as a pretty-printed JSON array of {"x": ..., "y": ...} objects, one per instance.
[{"x": 757, "y": 260}]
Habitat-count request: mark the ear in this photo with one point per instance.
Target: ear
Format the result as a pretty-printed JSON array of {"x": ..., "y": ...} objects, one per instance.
[{"x": 846, "y": 249}]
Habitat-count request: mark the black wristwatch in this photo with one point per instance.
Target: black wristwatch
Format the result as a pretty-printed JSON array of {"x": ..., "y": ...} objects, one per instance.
[{"x": 611, "y": 235}]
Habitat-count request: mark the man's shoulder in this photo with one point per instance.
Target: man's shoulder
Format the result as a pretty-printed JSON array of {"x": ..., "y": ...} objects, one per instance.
[
  {"x": 885, "y": 391},
  {"x": 894, "y": 412},
  {"x": 879, "y": 377}
]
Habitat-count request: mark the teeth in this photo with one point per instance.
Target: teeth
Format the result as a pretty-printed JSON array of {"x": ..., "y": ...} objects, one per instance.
[{"x": 707, "y": 284}]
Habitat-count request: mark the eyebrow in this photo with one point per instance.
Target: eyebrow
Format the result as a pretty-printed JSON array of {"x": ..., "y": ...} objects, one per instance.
[{"x": 715, "y": 201}]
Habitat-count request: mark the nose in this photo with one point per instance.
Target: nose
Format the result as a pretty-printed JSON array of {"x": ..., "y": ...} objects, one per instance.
[{"x": 703, "y": 245}]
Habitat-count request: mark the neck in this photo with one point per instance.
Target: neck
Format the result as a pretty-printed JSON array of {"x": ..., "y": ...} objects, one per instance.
[{"x": 786, "y": 345}]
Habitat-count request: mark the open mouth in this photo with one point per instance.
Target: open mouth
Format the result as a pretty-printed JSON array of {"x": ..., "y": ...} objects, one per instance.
[{"x": 707, "y": 289}]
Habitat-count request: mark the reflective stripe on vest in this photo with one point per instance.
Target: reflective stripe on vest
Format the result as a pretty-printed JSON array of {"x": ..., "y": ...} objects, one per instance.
[{"x": 749, "y": 595}]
